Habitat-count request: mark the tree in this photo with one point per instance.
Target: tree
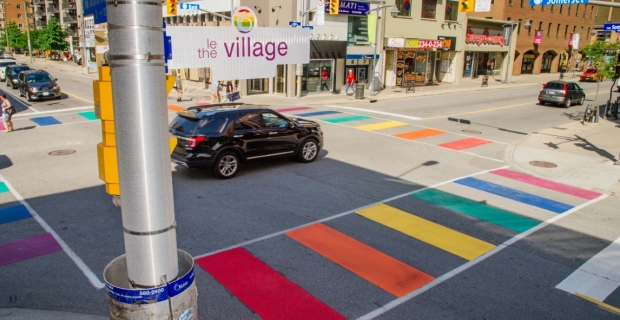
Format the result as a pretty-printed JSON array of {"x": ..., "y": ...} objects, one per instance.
[
  {"x": 14, "y": 36},
  {"x": 52, "y": 37},
  {"x": 602, "y": 55}
]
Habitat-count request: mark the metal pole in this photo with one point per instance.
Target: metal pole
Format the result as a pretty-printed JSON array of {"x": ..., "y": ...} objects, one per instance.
[
  {"x": 28, "y": 31},
  {"x": 374, "y": 56},
  {"x": 6, "y": 29},
  {"x": 80, "y": 15}
]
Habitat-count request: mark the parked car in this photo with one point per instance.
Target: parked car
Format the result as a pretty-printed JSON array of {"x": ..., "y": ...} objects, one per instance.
[
  {"x": 4, "y": 63},
  {"x": 562, "y": 93},
  {"x": 11, "y": 72},
  {"x": 37, "y": 84},
  {"x": 7, "y": 55},
  {"x": 222, "y": 138},
  {"x": 591, "y": 74}
]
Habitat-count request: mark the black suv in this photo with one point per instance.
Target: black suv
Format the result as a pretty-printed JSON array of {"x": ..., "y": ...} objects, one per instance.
[
  {"x": 221, "y": 138},
  {"x": 11, "y": 73},
  {"x": 37, "y": 84}
]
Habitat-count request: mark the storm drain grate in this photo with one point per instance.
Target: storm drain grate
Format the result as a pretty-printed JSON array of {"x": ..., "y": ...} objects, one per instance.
[
  {"x": 471, "y": 131},
  {"x": 61, "y": 152},
  {"x": 543, "y": 164}
]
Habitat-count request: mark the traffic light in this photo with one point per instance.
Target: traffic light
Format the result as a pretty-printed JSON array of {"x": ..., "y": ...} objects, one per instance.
[
  {"x": 171, "y": 7},
  {"x": 333, "y": 6}
]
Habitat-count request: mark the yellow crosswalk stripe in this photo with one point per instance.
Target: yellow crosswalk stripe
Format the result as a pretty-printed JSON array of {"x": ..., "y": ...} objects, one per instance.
[
  {"x": 382, "y": 125},
  {"x": 444, "y": 238}
]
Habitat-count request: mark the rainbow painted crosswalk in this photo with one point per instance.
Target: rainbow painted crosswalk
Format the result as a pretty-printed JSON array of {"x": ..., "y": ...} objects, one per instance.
[
  {"x": 433, "y": 217},
  {"x": 397, "y": 129},
  {"x": 46, "y": 121}
]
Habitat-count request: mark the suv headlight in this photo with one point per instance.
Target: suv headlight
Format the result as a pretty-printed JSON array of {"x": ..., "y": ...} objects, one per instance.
[
  {"x": 55, "y": 88},
  {"x": 14, "y": 80},
  {"x": 34, "y": 89}
]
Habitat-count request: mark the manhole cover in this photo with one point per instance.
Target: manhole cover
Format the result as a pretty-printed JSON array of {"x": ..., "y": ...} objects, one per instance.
[
  {"x": 543, "y": 164},
  {"x": 61, "y": 152},
  {"x": 472, "y": 131}
]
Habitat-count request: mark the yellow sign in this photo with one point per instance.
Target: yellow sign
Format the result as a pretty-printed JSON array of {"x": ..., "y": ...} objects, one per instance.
[{"x": 466, "y": 5}]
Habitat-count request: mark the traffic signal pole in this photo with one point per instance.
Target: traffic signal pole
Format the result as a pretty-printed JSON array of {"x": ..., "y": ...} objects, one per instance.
[{"x": 153, "y": 279}]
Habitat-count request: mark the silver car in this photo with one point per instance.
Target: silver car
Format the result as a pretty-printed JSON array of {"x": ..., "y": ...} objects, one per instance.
[{"x": 562, "y": 93}]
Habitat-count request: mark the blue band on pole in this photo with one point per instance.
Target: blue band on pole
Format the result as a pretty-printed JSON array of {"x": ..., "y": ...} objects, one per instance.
[{"x": 151, "y": 295}]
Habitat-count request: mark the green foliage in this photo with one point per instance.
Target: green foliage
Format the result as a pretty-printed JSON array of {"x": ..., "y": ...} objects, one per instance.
[
  {"x": 600, "y": 56},
  {"x": 14, "y": 36},
  {"x": 52, "y": 37}
]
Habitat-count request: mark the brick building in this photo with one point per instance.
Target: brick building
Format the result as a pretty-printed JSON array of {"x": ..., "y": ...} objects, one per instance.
[{"x": 555, "y": 24}]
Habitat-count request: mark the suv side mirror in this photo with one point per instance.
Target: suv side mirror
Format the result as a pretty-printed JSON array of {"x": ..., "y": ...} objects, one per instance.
[{"x": 291, "y": 124}]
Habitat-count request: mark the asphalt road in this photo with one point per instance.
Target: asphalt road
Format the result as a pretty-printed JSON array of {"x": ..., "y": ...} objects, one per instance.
[{"x": 319, "y": 231}]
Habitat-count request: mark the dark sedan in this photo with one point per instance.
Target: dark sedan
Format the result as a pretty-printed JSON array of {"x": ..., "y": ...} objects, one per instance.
[
  {"x": 562, "y": 93},
  {"x": 222, "y": 138},
  {"x": 11, "y": 74}
]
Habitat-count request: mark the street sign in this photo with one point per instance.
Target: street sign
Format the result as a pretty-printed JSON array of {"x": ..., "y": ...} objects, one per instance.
[
  {"x": 97, "y": 9},
  {"x": 612, "y": 27},
  {"x": 189, "y": 6},
  {"x": 556, "y": 2},
  {"x": 294, "y": 24},
  {"x": 308, "y": 27}
]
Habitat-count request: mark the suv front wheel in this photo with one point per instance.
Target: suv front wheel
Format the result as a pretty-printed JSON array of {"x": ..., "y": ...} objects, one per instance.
[
  {"x": 227, "y": 165},
  {"x": 308, "y": 151}
]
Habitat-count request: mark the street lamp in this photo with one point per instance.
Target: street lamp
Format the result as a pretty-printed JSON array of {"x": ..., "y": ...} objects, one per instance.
[
  {"x": 508, "y": 29},
  {"x": 393, "y": 12},
  {"x": 528, "y": 25}
]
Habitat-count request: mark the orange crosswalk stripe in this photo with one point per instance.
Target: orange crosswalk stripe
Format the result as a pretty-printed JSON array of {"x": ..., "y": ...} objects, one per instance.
[{"x": 419, "y": 134}]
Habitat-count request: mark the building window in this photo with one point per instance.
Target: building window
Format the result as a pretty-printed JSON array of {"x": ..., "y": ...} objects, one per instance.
[
  {"x": 542, "y": 8},
  {"x": 549, "y": 31},
  {"x": 585, "y": 9},
  {"x": 532, "y": 7},
  {"x": 588, "y": 34},
  {"x": 19, "y": 6},
  {"x": 519, "y": 30},
  {"x": 540, "y": 25},
  {"x": 357, "y": 34},
  {"x": 429, "y": 8},
  {"x": 529, "y": 31},
  {"x": 19, "y": 16},
  {"x": 566, "y": 32},
  {"x": 569, "y": 10},
  {"x": 574, "y": 29},
  {"x": 510, "y": 3},
  {"x": 522, "y": 3},
  {"x": 591, "y": 11},
  {"x": 557, "y": 33},
  {"x": 405, "y": 11},
  {"x": 561, "y": 7},
  {"x": 452, "y": 10},
  {"x": 509, "y": 18},
  {"x": 21, "y": 25},
  {"x": 551, "y": 8},
  {"x": 577, "y": 11}
]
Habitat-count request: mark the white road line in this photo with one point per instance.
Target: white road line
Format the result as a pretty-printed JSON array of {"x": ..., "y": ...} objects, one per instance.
[
  {"x": 275, "y": 234},
  {"x": 397, "y": 302},
  {"x": 20, "y": 101},
  {"x": 76, "y": 259},
  {"x": 379, "y": 112},
  {"x": 598, "y": 277},
  {"x": 53, "y": 111}
]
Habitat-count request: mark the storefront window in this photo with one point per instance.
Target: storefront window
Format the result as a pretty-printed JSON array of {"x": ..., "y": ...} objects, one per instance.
[
  {"x": 429, "y": 7},
  {"x": 357, "y": 34},
  {"x": 318, "y": 76},
  {"x": 404, "y": 7},
  {"x": 256, "y": 86},
  {"x": 452, "y": 10},
  {"x": 410, "y": 66},
  {"x": 279, "y": 82}
]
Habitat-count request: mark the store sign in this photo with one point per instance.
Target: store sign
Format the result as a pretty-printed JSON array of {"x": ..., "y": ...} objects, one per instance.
[
  {"x": 612, "y": 27},
  {"x": 423, "y": 44},
  {"x": 554, "y": 2},
  {"x": 448, "y": 43},
  {"x": 241, "y": 51},
  {"x": 396, "y": 42},
  {"x": 538, "y": 37},
  {"x": 483, "y": 38},
  {"x": 352, "y": 8}
]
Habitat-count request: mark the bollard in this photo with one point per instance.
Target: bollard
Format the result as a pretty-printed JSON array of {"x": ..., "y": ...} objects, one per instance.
[{"x": 359, "y": 91}]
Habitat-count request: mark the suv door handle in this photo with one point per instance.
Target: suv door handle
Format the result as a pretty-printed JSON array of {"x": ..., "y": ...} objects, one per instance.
[
  {"x": 273, "y": 132},
  {"x": 238, "y": 136}
]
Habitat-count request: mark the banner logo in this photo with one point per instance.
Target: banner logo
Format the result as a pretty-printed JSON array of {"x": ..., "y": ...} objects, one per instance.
[{"x": 244, "y": 19}]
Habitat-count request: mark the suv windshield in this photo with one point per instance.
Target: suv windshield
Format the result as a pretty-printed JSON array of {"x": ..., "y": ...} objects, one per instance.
[
  {"x": 39, "y": 77},
  {"x": 15, "y": 71},
  {"x": 554, "y": 85},
  {"x": 191, "y": 126}
]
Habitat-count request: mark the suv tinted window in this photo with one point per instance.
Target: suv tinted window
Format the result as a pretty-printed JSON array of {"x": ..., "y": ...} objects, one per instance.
[
  {"x": 554, "y": 85},
  {"x": 247, "y": 121},
  {"x": 16, "y": 70},
  {"x": 198, "y": 126},
  {"x": 39, "y": 77},
  {"x": 274, "y": 121}
]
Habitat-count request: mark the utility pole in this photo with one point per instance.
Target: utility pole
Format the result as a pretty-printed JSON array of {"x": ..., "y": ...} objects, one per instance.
[
  {"x": 27, "y": 31},
  {"x": 6, "y": 29},
  {"x": 80, "y": 15},
  {"x": 153, "y": 279}
]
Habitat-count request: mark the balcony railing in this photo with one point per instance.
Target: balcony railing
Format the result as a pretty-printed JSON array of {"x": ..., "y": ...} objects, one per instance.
[
  {"x": 67, "y": 18},
  {"x": 52, "y": 9},
  {"x": 68, "y": 6}
]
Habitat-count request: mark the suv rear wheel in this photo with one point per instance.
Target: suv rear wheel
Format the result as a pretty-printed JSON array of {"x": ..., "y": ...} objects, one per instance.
[
  {"x": 568, "y": 103},
  {"x": 227, "y": 165},
  {"x": 308, "y": 151}
]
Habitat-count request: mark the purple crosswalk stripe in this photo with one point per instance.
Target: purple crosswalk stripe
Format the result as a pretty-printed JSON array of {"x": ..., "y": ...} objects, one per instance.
[{"x": 27, "y": 248}]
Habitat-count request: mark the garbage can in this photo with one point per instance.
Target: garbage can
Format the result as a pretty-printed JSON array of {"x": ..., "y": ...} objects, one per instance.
[{"x": 359, "y": 91}]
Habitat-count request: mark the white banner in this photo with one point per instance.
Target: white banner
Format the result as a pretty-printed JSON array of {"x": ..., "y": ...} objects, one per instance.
[
  {"x": 320, "y": 12},
  {"x": 482, "y": 6},
  {"x": 575, "y": 41},
  {"x": 241, "y": 51}
]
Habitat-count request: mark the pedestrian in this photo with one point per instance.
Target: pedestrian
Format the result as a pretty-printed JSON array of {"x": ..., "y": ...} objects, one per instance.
[
  {"x": 350, "y": 82},
  {"x": 215, "y": 91},
  {"x": 179, "y": 86},
  {"x": 324, "y": 77},
  {"x": 7, "y": 113},
  {"x": 230, "y": 88}
]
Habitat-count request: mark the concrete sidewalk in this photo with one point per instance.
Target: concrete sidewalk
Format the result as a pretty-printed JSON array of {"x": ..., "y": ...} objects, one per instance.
[{"x": 29, "y": 314}]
